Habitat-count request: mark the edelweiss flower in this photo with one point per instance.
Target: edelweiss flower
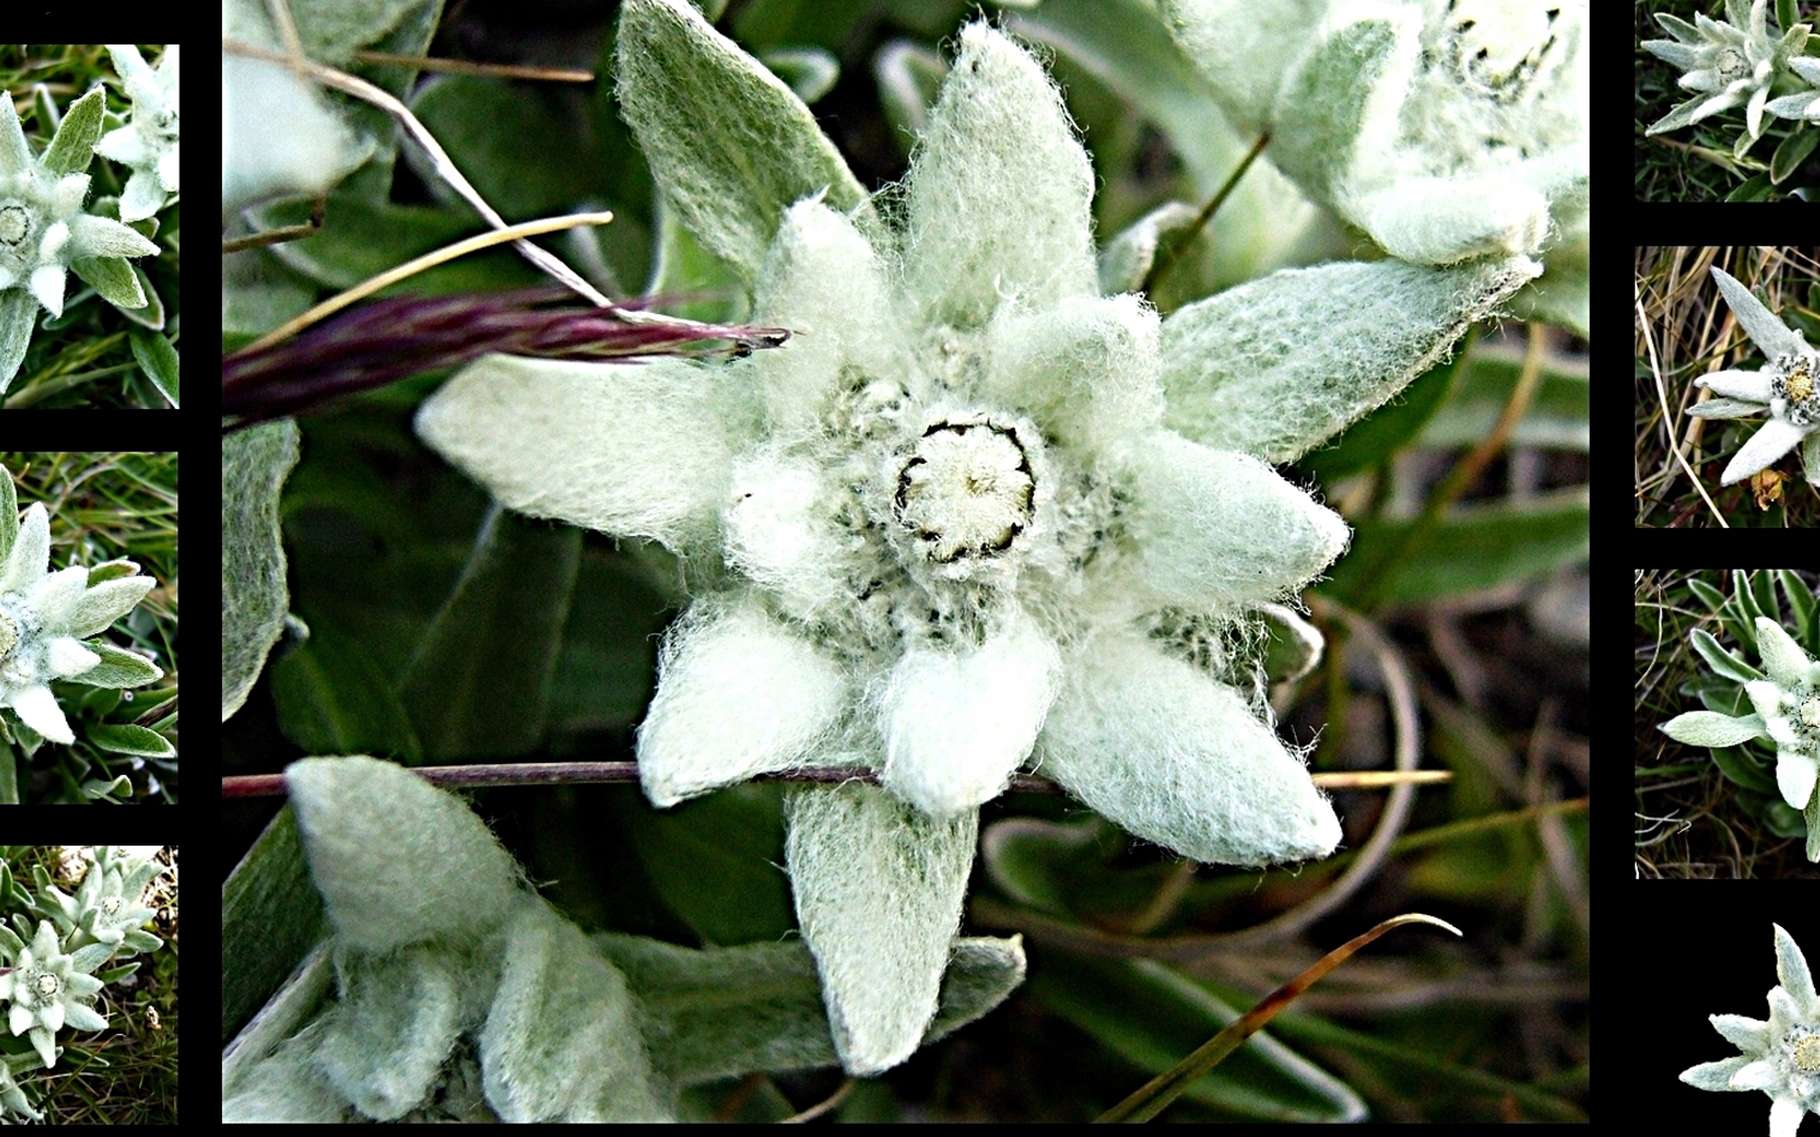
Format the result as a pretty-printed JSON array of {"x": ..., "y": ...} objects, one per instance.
[
  {"x": 1446, "y": 129},
  {"x": 1728, "y": 64},
  {"x": 43, "y": 229},
  {"x": 108, "y": 904},
  {"x": 44, "y": 617},
  {"x": 147, "y": 144},
  {"x": 947, "y": 530},
  {"x": 1781, "y": 1057},
  {"x": 1788, "y": 711},
  {"x": 1784, "y": 390},
  {"x": 49, "y": 989}
]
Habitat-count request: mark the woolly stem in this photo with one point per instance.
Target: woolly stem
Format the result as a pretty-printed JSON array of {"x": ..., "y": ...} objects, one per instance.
[
  {"x": 1154, "y": 1096},
  {"x": 1166, "y": 260},
  {"x": 605, "y": 773}
]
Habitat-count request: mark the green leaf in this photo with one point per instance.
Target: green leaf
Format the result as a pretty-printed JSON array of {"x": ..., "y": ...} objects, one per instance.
[
  {"x": 1802, "y": 608},
  {"x": 1741, "y": 769},
  {"x": 158, "y": 359},
  {"x": 1763, "y": 591},
  {"x": 1724, "y": 663},
  {"x": 706, "y": 287},
  {"x": 1474, "y": 547},
  {"x": 509, "y": 161},
  {"x": 1791, "y": 152},
  {"x": 270, "y": 918},
  {"x": 714, "y": 863},
  {"x": 1788, "y": 13},
  {"x": 1783, "y": 820},
  {"x": 479, "y": 684},
  {"x": 727, "y": 1011},
  {"x": 361, "y": 238},
  {"x": 332, "y": 699},
  {"x": 118, "y": 667},
  {"x": 9, "y": 781},
  {"x": 908, "y": 76},
  {"x": 1150, "y": 1016},
  {"x": 730, "y": 143},
  {"x": 113, "y": 278},
  {"x": 608, "y": 666},
  {"x": 810, "y": 71},
  {"x": 1755, "y": 189},
  {"x": 253, "y": 595},
  {"x": 73, "y": 146},
  {"x": 1558, "y": 416},
  {"x": 125, "y": 738},
  {"x": 151, "y": 314},
  {"x": 1811, "y": 817},
  {"x": 1375, "y": 438},
  {"x": 9, "y": 513}
]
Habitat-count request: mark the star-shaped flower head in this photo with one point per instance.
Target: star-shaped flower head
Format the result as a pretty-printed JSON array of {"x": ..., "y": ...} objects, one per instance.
[
  {"x": 44, "y": 232},
  {"x": 147, "y": 144},
  {"x": 1445, "y": 129},
  {"x": 108, "y": 905},
  {"x": 1780, "y": 1056},
  {"x": 951, "y": 527},
  {"x": 1729, "y": 63},
  {"x": 1787, "y": 704},
  {"x": 46, "y": 619},
  {"x": 1787, "y": 389},
  {"x": 49, "y": 989}
]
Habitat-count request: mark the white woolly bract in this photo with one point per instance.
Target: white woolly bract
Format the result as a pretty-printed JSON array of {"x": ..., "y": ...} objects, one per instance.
[
  {"x": 383, "y": 1045},
  {"x": 1219, "y": 528},
  {"x": 1280, "y": 365},
  {"x": 562, "y": 1039},
  {"x": 397, "y": 860},
  {"x": 311, "y": 153},
  {"x": 1710, "y": 728},
  {"x": 640, "y": 450},
  {"x": 999, "y": 191},
  {"x": 878, "y": 888},
  {"x": 1087, "y": 367},
  {"x": 775, "y": 531},
  {"x": 737, "y": 695},
  {"x": 958, "y": 722},
  {"x": 1175, "y": 758}
]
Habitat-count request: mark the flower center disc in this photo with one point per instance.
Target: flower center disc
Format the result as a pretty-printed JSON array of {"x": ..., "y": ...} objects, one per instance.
[
  {"x": 1810, "y": 712},
  {"x": 14, "y": 223},
  {"x": 1807, "y": 1054},
  {"x": 1498, "y": 45},
  {"x": 967, "y": 491},
  {"x": 46, "y": 984},
  {"x": 1793, "y": 381}
]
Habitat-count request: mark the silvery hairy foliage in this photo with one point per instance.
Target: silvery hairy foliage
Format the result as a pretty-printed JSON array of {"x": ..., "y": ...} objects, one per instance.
[
  {"x": 1784, "y": 695},
  {"x": 147, "y": 142},
  {"x": 48, "y": 971},
  {"x": 975, "y": 516},
  {"x": 449, "y": 990},
  {"x": 1740, "y": 61},
  {"x": 1779, "y": 1056},
  {"x": 45, "y": 232},
  {"x": 51, "y": 621},
  {"x": 1445, "y": 129},
  {"x": 1783, "y": 391}
]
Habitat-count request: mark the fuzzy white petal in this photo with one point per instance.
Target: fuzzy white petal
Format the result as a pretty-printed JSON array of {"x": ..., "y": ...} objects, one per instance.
[
  {"x": 957, "y": 723},
  {"x": 56, "y": 235},
  {"x": 1764, "y": 327},
  {"x": 1795, "y": 773},
  {"x": 999, "y": 191},
  {"x": 775, "y": 531},
  {"x": 1088, "y": 368},
  {"x": 1219, "y": 527},
  {"x": 19, "y": 1019},
  {"x": 55, "y": 594},
  {"x": 737, "y": 695},
  {"x": 1766, "y": 697},
  {"x": 1748, "y": 1035},
  {"x": 30, "y": 554},
  {"x": 1449, "y": 219},
  {"x": 38, "y": 709},
  {"x": 1792, "y": 971},
  {"x": 1759, "y": 1075},
  {"x": 46, "y": 284},
  {"x": 1172, "y": 756},
  {"x": 67, "y": 657},
  {"x": 143, "y": 196},
  {"x": 1772, "y": 440},
  {"x": 1786, "y": 662},
  {"x": 1752, "y": 385},
  {"x": 632, "y": 450},
  {"x": 50, "y": 1016}
]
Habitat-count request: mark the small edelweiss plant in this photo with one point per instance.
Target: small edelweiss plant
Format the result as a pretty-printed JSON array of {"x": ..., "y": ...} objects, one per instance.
[
  {"x": 1740, "y": 61},
  {"x": 1445, "y": 129},
  {"x": 50, "y": 621},
  {"x": 45, "y": 231},
  {"x": 1779, "y": 1056},
  {"x": 459, "y": 994},
  {"x": 1783, "y": 697},
  {"x": 52, "y": 973},
  {"x": 974, "y": 517},
  {"x": 147, "y": 143},
  {"x": 1784, "y": 390}
]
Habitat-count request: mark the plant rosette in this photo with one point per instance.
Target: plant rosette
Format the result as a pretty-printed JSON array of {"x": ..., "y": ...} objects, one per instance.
[
  {"x": 1737, "y": 62},
  {"x": 1781, "y": 1055},
  {"x": 1785, "y": 389},
  {"x": 973, "y": 516}
]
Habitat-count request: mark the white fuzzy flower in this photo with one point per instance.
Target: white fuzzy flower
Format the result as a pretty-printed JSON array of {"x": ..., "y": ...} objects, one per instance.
[
  {"x": 951, "y": 528},
  {"x": 1787, "y": 390},
  {"x": 1729, "y": 63},
  {"x": 44, "y": 618},
  {"x": 1781, "y": 1055},
  {"x": 1446, "y": 129},
  {"x": 1787, "y": 705},
  {"x": 48, "y": 988},
  {"x": 147, "y": 144}
]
